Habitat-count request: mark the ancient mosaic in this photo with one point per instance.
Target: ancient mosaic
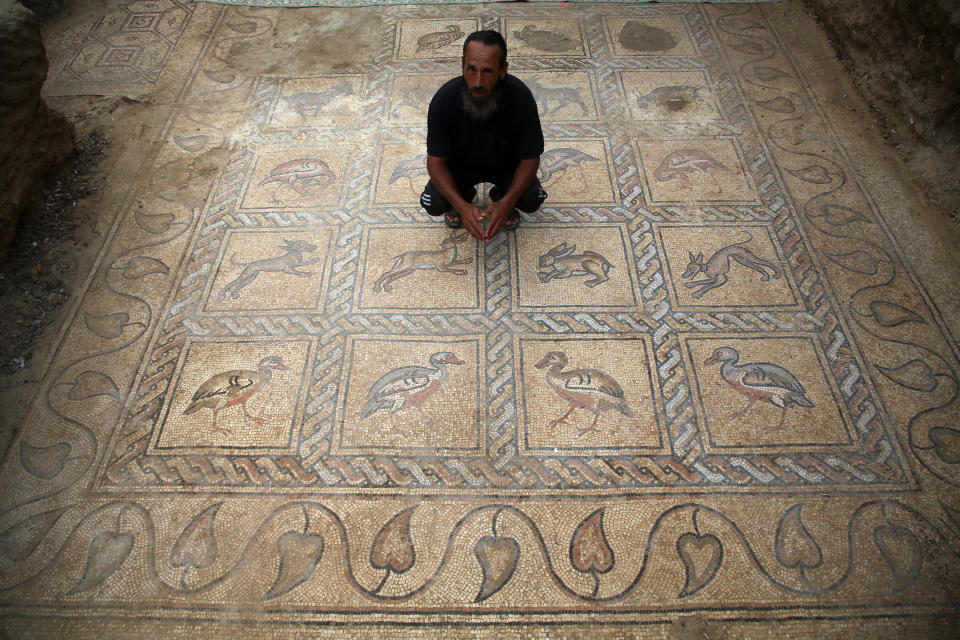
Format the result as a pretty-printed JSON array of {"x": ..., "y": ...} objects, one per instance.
[{"x": 701, "y": 377}]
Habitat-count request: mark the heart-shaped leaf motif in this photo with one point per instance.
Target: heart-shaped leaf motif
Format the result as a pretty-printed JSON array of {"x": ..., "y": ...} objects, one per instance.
[
  {"x": 109, "y": 326},
  {"x": 768, "y": 74},
  {"x": 44, "y": 462},
  {"x": 814, "y": 174},
  {"x": 197, "y": 547},
  {"x": 953, "y": 515},
  {"x": 192, "y": 143},
  {"x": 222, "y": 77},
  {"x": 794, "y": 545},
  {"x": 946, "y": 444},
  {"x": 589, "y": 551},
  {"x": 392, "y": 547},
  {"x": 779, "y": 105},
  {"x": 901, "y": 549},
  {"x": 742, "y": 24},
  {"x": 144, "y": 266},
  {"x": 856, "y": 261},
  {"x": 242, "y": 27},
  {"x": 498, "y": 560},
  {"x": 915, "y": 374},
  {"x": 154, "y": 223},
  {"x": 839, "y": 215},
  {"x": 793, "y": 133},
  {"x": 749, "y": 48},
  {"x": 702, "y": 556},
  {"x": 93, "y": 383},
  {"x": 19, "y": 541},
  {"x": 300, "y": 554},
  {"x": 890, "y": 314},
  {"x": 106, "y": 553}
]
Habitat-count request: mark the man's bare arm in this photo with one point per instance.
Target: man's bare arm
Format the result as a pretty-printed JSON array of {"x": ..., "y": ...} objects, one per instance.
[{"x": 443, "y": 180}]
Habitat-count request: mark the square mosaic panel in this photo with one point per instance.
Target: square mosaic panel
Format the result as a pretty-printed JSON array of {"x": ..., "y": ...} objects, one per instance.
[
  {"x": 671, "y": 95},
  {"x": 544, "y": 37},
  {"x": 433, "y": 38},
  {"x": 694, "y": 170},
  {"x": 266, "y": 371},
  {"x": 577, "y": 171},
  {"x": 562, "y": 267},
  {"x": 553, "y": 369},
  {"x": 724, "y": 267},
  {"x": 254, "y": 266},
  {"x": 746, "y": 401},
  {"x": 440, "y": 379},
  {"x": 652, "y": 36},
  {"x": 563, "y": 96},
  {"x": 329, "y": 100},
  {"x": 297, "y": 177},
  {"x": 409, "y": 97},
  {"x": 411, "y": 269}
]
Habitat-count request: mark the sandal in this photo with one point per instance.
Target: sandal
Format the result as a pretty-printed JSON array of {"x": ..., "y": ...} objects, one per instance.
[
  {"x": 512, "y": 222},
  {"x": 452, "y": 220}
]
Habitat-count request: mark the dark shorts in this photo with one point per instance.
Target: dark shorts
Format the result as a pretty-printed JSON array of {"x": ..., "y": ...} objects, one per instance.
[{"x": 437, "y": 205}]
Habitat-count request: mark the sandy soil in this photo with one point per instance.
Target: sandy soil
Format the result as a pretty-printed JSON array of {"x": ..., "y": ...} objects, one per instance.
[{"x": 903, "y": 57}]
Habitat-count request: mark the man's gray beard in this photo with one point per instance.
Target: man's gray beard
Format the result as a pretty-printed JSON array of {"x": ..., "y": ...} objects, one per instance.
[{"x": 482, "y": 109}]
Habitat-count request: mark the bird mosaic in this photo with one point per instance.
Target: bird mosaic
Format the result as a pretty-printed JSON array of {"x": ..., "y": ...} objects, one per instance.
[
  {"x": 415, "y": 167},
  {"x": 407, "y": 387},
  {"x": 439, "y": 39},
  {"x": 760, "y": 381},
  {"x": 681, "y": 164},
  {"x": 555, "y": 161},
  {"x": 590, "y": 389},
  {"x": 300, "y": 175},
  {"x": 237, "y": 386}
]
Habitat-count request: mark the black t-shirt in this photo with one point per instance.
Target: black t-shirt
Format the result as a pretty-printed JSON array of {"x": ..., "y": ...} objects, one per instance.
[{"x": 490, "y": 148}]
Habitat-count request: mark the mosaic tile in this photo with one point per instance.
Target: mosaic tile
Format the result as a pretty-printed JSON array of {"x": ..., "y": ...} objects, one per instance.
[
  {"x": 433, "y": 38},
  {"x": 544, "y": 37},
  {"x": 694, "y": 170},
  {"x": 318, "y": 101}
]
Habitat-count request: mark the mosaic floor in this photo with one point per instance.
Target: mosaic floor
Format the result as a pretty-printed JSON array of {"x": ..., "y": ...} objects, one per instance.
[{"x": 703, "y": 380}]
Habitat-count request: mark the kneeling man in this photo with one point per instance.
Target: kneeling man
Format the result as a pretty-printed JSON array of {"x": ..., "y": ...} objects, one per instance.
[{"x": 483, "y": 127}]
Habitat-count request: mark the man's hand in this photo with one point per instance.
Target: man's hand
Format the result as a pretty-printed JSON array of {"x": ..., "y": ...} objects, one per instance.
[
  {"x": 498, "y": 213},
  {"x": 471, "y": 216},
  {"x": 442, "y": 179}
]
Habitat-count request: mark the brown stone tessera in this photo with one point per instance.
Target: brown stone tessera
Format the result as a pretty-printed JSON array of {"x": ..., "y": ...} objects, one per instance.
[{"x": 709, "y": 388}]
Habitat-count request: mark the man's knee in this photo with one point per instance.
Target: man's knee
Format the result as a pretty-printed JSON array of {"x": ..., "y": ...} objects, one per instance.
[
  {"x": 434, "y": 203},
  {"x": 531, "y": 200}
]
